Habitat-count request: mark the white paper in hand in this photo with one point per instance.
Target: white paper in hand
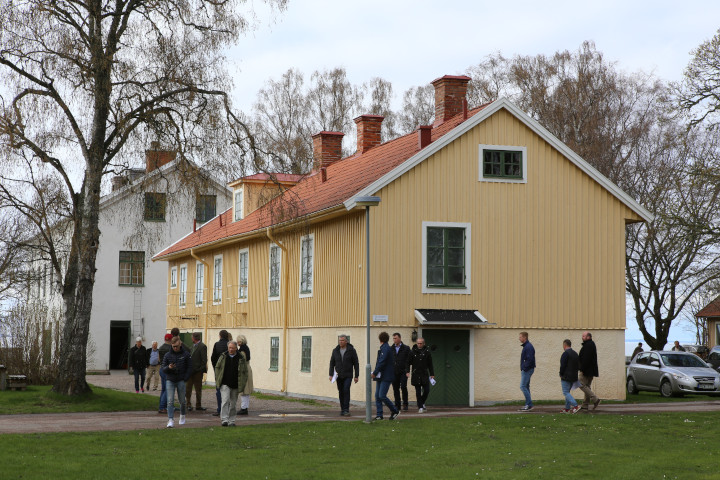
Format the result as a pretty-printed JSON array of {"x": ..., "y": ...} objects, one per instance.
[
  {"x": 432, "y": 381},
  {"x": 334, "y": 377}
]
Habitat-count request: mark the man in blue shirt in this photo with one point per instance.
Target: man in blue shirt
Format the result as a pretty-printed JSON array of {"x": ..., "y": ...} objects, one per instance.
[{"x": 527, "y": 368}]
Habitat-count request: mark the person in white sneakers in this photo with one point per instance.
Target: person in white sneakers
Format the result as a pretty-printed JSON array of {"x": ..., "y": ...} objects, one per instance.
[
  {"x": 231, "y": 376},
  {"x": 177, "y": 367},
  {"x": 569, "y": 364},
  {"x": 421, "y": 366}
]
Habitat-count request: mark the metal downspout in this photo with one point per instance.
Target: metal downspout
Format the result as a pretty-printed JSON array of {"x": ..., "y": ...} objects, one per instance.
[
  {"x": 286, "y": 258},
  {"x": 206, "y": 287}
]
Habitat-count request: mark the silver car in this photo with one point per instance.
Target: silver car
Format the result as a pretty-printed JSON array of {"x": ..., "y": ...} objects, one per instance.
[{"x": 671, "y": 373}]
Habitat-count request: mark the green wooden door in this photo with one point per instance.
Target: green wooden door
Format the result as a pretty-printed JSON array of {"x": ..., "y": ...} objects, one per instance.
[{"x": 450, "y": 351}]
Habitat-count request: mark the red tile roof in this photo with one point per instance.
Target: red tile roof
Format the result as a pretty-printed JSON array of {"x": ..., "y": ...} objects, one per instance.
[
  {"x": 712, "y": 309},
  {"x": 344, "y": 179}
]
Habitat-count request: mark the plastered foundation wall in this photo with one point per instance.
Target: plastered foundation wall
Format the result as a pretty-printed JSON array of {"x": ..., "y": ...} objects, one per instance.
[{"x": 497, "y": 363}]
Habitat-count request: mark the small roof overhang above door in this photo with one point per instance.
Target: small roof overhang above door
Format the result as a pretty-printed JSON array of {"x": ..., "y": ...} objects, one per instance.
[{"x": 429, "y": 316}]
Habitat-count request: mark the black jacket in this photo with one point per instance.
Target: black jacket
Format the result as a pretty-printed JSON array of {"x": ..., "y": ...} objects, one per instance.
[
  {"x": 588, "y": 359},
  {"x": 198, "y": 354},
  {"x": 183, "y": 365},
  {"x": 420, "y": 361},
  {"x": 402, "y": 357},
  {"x": 569, "y": 363},
  {"x": 345, "y": 364},
  {"x": 219, "y": 348},
  {"x": 138, "y": 357}
]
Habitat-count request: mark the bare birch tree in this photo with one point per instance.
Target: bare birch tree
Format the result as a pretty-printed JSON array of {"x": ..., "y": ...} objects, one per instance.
[
  {"x": 699, "y": 91},
  {"x": 87, "y": 84}
]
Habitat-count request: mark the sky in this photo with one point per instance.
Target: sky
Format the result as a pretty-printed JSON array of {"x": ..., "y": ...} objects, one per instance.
[{"x": 412, "y": 42}]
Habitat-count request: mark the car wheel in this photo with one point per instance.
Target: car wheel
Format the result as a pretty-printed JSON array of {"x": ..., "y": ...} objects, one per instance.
[
  {"x": 666, "y": 389},
  {"x": 631, "y": 387}
]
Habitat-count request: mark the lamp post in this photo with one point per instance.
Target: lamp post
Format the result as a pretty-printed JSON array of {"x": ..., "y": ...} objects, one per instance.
[{"x": 367, "y": 202}]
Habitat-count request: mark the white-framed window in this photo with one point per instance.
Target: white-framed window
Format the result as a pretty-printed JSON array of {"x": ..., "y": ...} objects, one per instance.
[
  {"x": 502, "y": 163},
  {"x": 275, "y": 262},
  {"x": 243, "y": 263},
  {"x": 217, "y": 279},
  {"x": 446, "y": 260},
  {"x": 183, "y": 284},
  {"x": 173, "y": 277},
  {"x": 238, "y": 212},
  {"x": 199, "y": 282},
  {"x": 307, "y": 255}
]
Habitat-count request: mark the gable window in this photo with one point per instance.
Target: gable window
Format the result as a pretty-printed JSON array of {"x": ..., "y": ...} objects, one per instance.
[
  {"x": 199, "y": 282},
  {"x": 502, "y": 163},
  {"x": 274, "y": 353},
  {"x": 132, "y": 268},
  {"x": 243, "y": 275},
  {"x": 446, "y": 257},
  {"x": 217, "y": 279},
  {"x": 183, "y": 285},
  {"x": 238, "y": 214},
  {"x": 173, "y": 277},
  {"x": 306, "y": 360},
  {"x": 154, "y": 207},
  {"x": 307, "y": 244},
  {"x": 205, "y": 207},
  {"x": 274, "y": 284}
]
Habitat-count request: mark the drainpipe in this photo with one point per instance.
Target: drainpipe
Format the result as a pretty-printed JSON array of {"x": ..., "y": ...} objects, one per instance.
[
  {"x": 286, "y": 258},
  {"x": 207, "y": 289}
]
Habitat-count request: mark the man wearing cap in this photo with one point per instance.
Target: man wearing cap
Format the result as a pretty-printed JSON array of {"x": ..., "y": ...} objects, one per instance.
[
  {"x": 164, "y": 348},
  {"x": 138, "y": 359},
  {"x": 153, "y": 368}
]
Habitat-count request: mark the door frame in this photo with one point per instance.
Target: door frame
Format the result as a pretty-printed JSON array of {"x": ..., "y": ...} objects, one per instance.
[{"x": 471, "y": 359}]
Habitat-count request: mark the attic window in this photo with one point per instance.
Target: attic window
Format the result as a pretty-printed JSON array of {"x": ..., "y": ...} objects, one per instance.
[
  {"x": 154, "y": 207},
  {"x": 238, "y": 213},
  {"x": 502, "y": 163},
  {"x": 205, "y": 208}
]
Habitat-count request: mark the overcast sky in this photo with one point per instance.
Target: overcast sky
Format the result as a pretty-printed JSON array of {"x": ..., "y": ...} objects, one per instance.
[{"x": 412, "y": 42}]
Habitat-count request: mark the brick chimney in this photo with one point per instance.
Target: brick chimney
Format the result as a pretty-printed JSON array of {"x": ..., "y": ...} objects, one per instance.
[
  {"x": 368, "y": 132},
  {"x": 156, "y": 158},
  {"x": 327, "y": 148},
  {"x": 449, "y": 96},
  {"x": 424, "y": 136}
]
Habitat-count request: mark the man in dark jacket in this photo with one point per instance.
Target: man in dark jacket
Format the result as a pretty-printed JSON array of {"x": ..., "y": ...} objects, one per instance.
[
  {"x": 219, "y": 348},
  {"x": 138, "y": 359},
  {"x": 527, "y": 368},
  {"x": 163, "y": 350},
  {"x": 344, "y": 361},
  {"x": 568, "y": 375},
  {"x": 588, "y": 370},
  {"x": 384, "y": 374},
  {"x": 177, "y": 367},
  {"x": 402, "y": 353},
  {"x": 420, "y": 362},
  {"x": 198, "y": 355}
]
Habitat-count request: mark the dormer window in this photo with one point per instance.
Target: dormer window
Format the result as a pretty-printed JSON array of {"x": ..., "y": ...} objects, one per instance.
[{"x": 238, "y": 212}]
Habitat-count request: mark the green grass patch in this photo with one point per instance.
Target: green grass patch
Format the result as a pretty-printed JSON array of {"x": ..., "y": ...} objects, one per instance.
[
  {"x": 39, "y": 399},
  {"x": 304, "y": 401},
  {"x": 488, "y": 447}
]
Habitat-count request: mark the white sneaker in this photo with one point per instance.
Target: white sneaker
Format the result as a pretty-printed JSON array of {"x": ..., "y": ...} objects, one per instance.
[
  {"x": 182, "y": 419},
  {"x": 421, "y": 410},
  {"x": 171, "y": 423}
]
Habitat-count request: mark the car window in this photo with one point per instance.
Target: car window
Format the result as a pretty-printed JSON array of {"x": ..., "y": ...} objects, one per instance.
[
  {"x": 642, "y": 358},
  {"x": 676, "y": 360},
  {"x": 653, "y": 357}
]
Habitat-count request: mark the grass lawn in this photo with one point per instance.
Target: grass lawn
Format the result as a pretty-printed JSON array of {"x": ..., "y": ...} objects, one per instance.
[
  {"x": 39, "y": 399},
  {"x": 491, "y": 447}
]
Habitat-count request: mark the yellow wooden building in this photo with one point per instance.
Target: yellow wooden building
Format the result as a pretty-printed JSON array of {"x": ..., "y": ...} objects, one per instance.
[{"x": 487, "y": 226}]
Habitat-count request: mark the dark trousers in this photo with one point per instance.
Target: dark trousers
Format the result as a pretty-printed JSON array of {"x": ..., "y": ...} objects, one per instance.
[
  {"x": 421, "y": 392},
  {"x": 400, "y": 386},
  {"x": 218, "y": 396},
  {"x": 139, "y": 372},
  {"x": 163, "y": 391},
  {"x": 343, "y": 386},
  {"x": 195, "y": 380}
]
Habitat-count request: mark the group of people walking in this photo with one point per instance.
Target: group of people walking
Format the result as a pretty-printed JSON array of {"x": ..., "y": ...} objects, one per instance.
[
  {"x": 577, "y": 370},
  {"x": 395, "y": 364}
]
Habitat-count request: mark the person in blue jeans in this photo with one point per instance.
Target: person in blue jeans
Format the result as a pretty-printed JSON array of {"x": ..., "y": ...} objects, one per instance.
[
  {"x": 569, "y": 365},
  {"x": 164, "y": 348},
  {"x": 384, "y": 374},
  {"x": 527, "y": 368},
  {"x": 177, "y": 366}
]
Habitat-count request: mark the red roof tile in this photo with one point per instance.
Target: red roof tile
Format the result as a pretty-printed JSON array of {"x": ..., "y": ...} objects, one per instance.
[
  {"x": 344, "y": 179},
  {"x": 712, "y": 309}
]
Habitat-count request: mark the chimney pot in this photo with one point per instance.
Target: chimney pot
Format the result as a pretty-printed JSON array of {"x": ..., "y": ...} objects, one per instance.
[
  {"x": 323, "y": 174},
  {"x": 450, "y": 92},
  {"x": 327, "y": 148},
  {"x": 424, "y": 136},
  {"x": 368, "y": 132},
  {"x": 156, "y": 158}
]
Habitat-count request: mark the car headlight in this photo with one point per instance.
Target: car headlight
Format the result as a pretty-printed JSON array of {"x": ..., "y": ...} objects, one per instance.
[{"x": 680, "y": 376}]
